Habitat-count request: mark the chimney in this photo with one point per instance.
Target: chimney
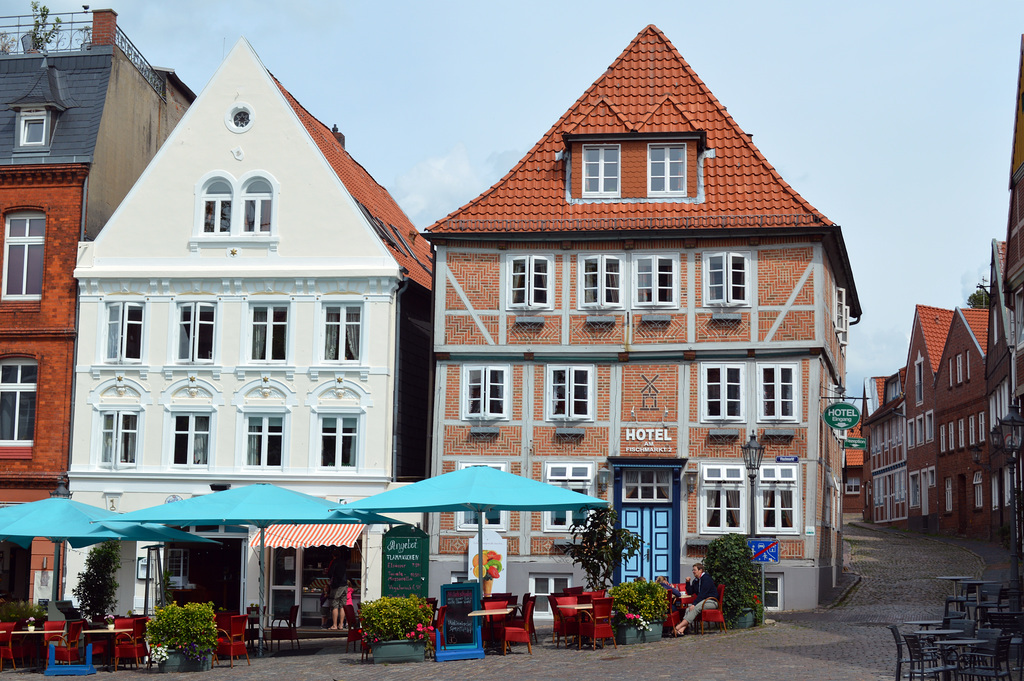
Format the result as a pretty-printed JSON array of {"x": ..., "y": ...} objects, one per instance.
[
  {"x": 104, "y": 26},
  {"x": 338, "y": 136}
]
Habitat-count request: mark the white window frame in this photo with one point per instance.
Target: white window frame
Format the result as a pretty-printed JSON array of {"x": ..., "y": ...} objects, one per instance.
[
  {"x": 608, "y": 171},
  {"x": 32, "y": 247},
  {"x": 979, "y": 499},
  {"x": 777, "y": 385},
  {"x": 665, "y": 169},
  {"x": 123, "y": 437},
  {"x": 190, "y": 335},
  {"x": 919, "y": 427},
  {"x": 842, "y": 315},
  {"x": 575, "y": 376},
  {"x": 273, "y": 326},
  {"x": 778, "y": 479},
  {"x": 235, "y": 214},
  {"x": 911, "y": 442},
  {"x": 722, "y": 479},
  {"x": 264, "y": 435},
  {"x": 493, "y": 381},
  {"x": 649, "y": 288},
  {"x": 725, "y": 369},
  {"x": 572, "y": 475},
  {"x": 994, "y": 486},
  {"x": 960, "y": 430},
  {"x": 603, "y": 282},
  {"x": 728, "y": 269},
  {"x": 773, "y": 588},
  {"x": 952, "y": 436},
  {"x": 915, "y": 490},
  {"x": 919, "y": 380},
  {"x": 262, "y": 203},
  {"x": 344, "y": 328},
  {"x": 930, "y": 473},
  {"x": 949, "y": 494},
  {"x": 494, "y": 520},
  {"x": 23, "y": 392},
  {"x": 942, "y": 439},
  {"x": 531, "y": 287},
  {"x": 191, "y": 433},
  {"x": 115, "y": 332},
  {"x": 28, "y": 116},
  {"x": 852, "y": 485},
  {"x": 348, "y": 425},
  {"x": 651, "y": 485},
  {"x": 553, "y": 583},
  {"x": 959, "y": 368},
  {"x": 929, "y": 425},
  {"x": 970, "y": 430},
  {"x": 220, "y": 212},
  {"x": 981, "y": 426}
]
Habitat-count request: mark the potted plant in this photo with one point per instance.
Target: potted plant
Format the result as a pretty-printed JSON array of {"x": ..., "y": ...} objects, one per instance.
[
  {"x": 20, "y": 611},
  {"x": 108, "y": 619},
  {"x": 397, "y": 629},
  {"x": 639, "y": 609},
  {"x": 182, "y": 638},
  {"x": 729, "y": 563},
  {"x": 31, "y": 623},
  {"x": 96, "y": 590}
]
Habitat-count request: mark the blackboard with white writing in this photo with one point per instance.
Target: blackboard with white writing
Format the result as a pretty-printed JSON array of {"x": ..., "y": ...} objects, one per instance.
[
  {"x": 459, "y": 627},
  {"x": 405, "y": 568}
]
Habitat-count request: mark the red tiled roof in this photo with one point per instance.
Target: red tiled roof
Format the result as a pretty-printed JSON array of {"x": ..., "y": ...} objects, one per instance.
[
  {"x": 977, "y": 319},
  {"x": 934, "y": 323},
  {"x": 649, "y": 88},
  {"x": 393, "y": 227},
  {"x": 854, "y": 457}
]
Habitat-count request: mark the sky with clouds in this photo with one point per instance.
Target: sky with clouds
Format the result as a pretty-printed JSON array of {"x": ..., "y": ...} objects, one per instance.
[{"x": 892, "y": 118}]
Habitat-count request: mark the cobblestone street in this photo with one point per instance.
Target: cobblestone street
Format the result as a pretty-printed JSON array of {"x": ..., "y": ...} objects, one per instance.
[{"x": 846, "y": 642}]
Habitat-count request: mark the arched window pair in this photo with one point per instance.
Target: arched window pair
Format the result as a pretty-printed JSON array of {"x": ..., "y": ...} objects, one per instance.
[{"x": 223, "y": 216}]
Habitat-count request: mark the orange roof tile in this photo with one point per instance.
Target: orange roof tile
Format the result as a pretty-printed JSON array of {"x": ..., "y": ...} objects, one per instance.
[
  {"x": 977, "y": 319},
  {"x": 854, "y": 457},
  {"x": 393, "y": 227},
  {"x": 648, "y": 88},
  {"x": 934, "y": 323}
]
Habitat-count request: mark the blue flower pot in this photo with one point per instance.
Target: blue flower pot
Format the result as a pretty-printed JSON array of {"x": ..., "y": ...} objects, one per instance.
[{"x": 177, "y": 662}]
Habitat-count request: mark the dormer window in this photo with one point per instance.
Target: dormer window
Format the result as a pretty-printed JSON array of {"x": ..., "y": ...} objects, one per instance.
[
  {"x": 666, "y": 170},
  {"x": 601, "y": 171},
  {"x": 33, "y": 128}
]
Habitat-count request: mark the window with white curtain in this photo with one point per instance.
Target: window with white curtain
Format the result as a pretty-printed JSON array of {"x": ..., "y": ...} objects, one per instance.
[
  {"x": 191, "y": 440},
  {"x": 119, "y": 436},
  {"x": 574, "y": 476},
  {"x": 722, "y": 502},
  {"x": 342, "y": 332}
]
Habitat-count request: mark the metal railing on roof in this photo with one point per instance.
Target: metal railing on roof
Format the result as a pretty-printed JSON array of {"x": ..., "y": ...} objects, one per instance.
[
  {"x": 74, "y": 34},
  {"x": 632, "y": 224}
]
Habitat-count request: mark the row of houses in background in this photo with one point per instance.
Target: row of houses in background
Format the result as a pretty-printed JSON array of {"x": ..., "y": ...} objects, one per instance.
[
  {"x": 618, "y": 314},
  {"x": 931, "y": 464}
]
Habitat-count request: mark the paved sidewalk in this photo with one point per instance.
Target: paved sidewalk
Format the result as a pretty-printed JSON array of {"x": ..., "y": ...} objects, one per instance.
[{"x": 889, "y": 580}]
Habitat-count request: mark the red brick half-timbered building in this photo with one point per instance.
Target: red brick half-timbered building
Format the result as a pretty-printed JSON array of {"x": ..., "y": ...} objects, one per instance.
[{"x": 638, "y": 296}]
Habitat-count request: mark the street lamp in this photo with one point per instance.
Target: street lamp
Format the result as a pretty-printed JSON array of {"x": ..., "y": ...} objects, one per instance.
[
  {"x": 57, "y": 587},
  {"x": 1011, "y": 429},
  {"x": 753, "y": 453}
]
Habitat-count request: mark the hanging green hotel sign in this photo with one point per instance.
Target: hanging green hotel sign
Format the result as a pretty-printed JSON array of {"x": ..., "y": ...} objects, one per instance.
[
  {"x": 841, "y": 416},
  {"x": 856, "y": 443}
]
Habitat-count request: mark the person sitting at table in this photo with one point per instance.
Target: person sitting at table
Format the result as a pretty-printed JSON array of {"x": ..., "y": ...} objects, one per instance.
[
  {"x": 667, "y": 585},
  {"x": 705, "y": 596}
]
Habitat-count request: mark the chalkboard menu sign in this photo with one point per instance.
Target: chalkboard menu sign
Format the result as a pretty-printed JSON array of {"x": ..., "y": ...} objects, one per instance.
[
  {"x": 459, "y": 628},
  {"x": 405, "y": 565}
]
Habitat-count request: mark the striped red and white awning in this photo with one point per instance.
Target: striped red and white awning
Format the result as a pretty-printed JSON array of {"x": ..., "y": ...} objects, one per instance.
[{"x": 304, "y": 536}]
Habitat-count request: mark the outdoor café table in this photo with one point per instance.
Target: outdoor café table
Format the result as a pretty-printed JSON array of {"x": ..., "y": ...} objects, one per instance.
[
  {"x": 924, "y": 624},
  {"x": 957, "y": 643},
  {"x": 938, "y": 634},
  {"x": 977, "y": 584},
  {"x": 497, "y": 610},
  {"x": 112, "y": 633},
  {"x": 37, "y": 632}
]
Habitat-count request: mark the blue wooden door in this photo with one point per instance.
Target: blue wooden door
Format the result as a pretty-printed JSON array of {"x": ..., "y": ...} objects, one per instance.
[{"x": 654, "y": 525}]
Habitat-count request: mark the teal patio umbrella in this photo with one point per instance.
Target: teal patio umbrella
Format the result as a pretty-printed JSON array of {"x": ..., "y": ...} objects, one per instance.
[
  {"x": 476, "y": 489},
  {"x": 260, "y": 505},
  {"x": 60, "y": 519}
]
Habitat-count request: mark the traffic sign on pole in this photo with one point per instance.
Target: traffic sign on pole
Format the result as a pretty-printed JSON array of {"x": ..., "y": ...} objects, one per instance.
[{"x": 764, "y": 550}]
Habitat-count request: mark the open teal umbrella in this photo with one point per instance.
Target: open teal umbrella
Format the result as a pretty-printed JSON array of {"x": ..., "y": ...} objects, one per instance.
[
  {"x": 477, "y": 489},
  {"x": 260, "y": 505},
  {"x": 59, "y": 519}
]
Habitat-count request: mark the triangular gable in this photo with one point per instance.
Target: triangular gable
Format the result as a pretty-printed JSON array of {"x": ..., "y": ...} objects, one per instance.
[
  {"x": 668, "y": 115},
  {"x": 318, "y": 219},
  {"x": 739, "y": 180},
  {"x": 603, "y": 118},
  {"x": 976, "y": 321},
  {"x": 1017, "y": 160},
  {"x": 932, "y": 324}
]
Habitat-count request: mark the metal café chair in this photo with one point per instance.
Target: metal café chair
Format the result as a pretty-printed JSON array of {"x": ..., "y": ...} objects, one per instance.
[
  {"x": 926, "y": 661},
  {"x": 901, "y": 659}
]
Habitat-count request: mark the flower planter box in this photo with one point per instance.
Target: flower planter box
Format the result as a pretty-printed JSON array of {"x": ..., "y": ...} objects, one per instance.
[
  {"x": 745, "y": 620},
  {"x": 177, "y": 662},
  {"x": 391, "y": 652},
  {"x": 626, "y": 635}
]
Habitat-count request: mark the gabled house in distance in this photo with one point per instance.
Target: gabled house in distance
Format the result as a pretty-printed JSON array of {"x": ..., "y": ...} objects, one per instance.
[
  {"x": 257, "y": 310},
  {"x": 637, "y": 297},
  {"x": 79, "y": 120}
]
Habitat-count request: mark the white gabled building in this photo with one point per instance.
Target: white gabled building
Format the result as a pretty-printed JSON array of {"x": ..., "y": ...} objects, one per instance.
[{"x": 240, "y": 317}]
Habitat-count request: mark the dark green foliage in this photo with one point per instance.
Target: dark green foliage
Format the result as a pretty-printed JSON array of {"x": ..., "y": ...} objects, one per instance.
[
  {"x": 16, "y": 611},
  {"x": 729, "y": 563},
  {"x": 42, "y": 31},
  {"x": 96, "y": 590},
  {"x": 599, "y": 546}
]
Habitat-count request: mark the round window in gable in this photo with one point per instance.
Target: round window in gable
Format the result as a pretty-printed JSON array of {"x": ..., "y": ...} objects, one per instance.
[{"x": 239, "y": 118}]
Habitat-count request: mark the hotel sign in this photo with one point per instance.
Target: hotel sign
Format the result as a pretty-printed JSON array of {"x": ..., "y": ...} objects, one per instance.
[
  {"x": 841, "y": 416},
  {"x": 648, "y": 441}
]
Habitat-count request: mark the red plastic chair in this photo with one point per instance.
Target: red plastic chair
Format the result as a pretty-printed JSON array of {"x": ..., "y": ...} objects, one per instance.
[
  {"x": 287, "y": 630},
  {"x": 66, "y": 648},
  {"x": 518, "y": 634},
  {"x": 130, "y": 646},
  {"x": 716, "y": 615},
  {"x": 355, "y": 632},
  {"x": 494, "y": 623},
  {"x": 231, "y": 641},
  {"x": 567, "y": 621},
  {"x": 597, "y": 623},
  {"x": 674, "y": 615},
  {"x": 53, "y": 632},
  {"x": 8, "y": 649},
  {"x": 522, "y": 619},
  {"x": 438, "y": 624}
]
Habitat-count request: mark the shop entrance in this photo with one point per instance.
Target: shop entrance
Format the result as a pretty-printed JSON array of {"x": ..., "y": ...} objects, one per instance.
[
  {"x": 209, "y": 572},
  {"x": 298, "y": 577}
]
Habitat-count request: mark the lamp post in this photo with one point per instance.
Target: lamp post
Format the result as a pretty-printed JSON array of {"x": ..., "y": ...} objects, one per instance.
[
  {"x": 753, "y": 453},
  {"x": 1011, "y": 428},
  {"x": 56, "y": 587}
]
